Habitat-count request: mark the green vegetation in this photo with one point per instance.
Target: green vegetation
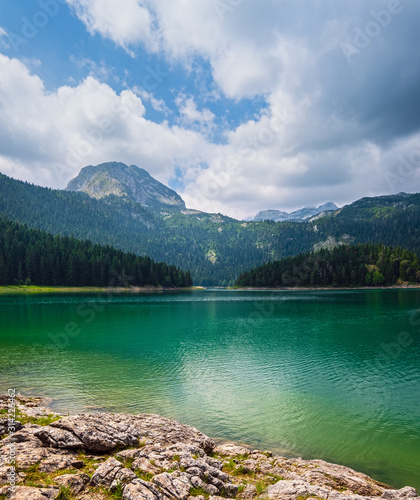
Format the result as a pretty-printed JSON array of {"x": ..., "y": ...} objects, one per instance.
[
  {"x": 196, "y": 492},
  {"x": 29, "y": 256},
  {"x": 215, "y": 248},
  {"x": 361, "y": 265},
  {"x": 146, "y": 476},
  {"x": 64, "y": 494},
  {"x": 118, "y": 493}
]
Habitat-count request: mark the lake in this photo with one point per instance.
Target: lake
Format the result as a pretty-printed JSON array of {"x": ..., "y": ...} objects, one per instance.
[{"x": 317, "y": 374}]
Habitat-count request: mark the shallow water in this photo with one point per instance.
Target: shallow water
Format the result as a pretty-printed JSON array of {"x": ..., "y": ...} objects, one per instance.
[{"x": 317, "y": 374}]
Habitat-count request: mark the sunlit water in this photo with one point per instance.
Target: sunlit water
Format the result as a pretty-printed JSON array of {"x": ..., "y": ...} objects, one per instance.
[{"x": 322, "y": 374}]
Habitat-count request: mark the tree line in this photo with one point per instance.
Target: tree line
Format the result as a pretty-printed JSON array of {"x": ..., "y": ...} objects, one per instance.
[
  {"x": 349, "y": 266},
  {"x": 30, "y": 256}
]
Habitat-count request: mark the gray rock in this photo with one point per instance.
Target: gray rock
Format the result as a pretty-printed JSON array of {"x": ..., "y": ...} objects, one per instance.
[
  {"x": 111, "y": 472},
  {"x": 142, "y": 490},
  {"x": 291, "y": 490},
  {"x": 105, "y": 431},
  {"x": 406, "y": 492},
  {"x": 60, "y": 462},
  {"x": 75, "y": 482},
  {"x": 6, "y": 426},
  {"x": 230, "y": 490},
  {"x": 144, "y": 464},
  {"x": 5, "y": 473},
  {"x": 58, "y": 438},
  {"x": 249, "y": 492},
  {"x": 26, "y": 493},
  {"x": 231, "y": 450},
  {"x": 174, "y": 485}
]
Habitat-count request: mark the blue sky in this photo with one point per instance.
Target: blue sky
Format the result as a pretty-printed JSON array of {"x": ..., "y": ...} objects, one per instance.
[{"x": 239, "y": 105}]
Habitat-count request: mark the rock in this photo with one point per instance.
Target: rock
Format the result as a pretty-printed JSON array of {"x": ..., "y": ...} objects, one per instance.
[
  {"x": 111, "y": 472},
  {"x": 291, "y": 490},
  {"x": 144, "y": 464},
  {"x": 231, "y": 450},
  {"x": 59, "y": 438},
  {"x": 26, "y": 493},
  {"x": 5, "y": 425},
  {"x": 142, "y": 490},
  {"x": 249, "y": 492},
  {"x": 174, "y": 485},
  {"x": 164, "y": 444},
  {"x": 324, "y": 474},
  {"x": 75, "y": 482},
  {"x": 5, "y": 473},
  {"x": 105, "y": 431},
  {"x": 60, "y": 462},
  {"x": 230, "y": 490},
  {"x": 406, "y": 492}
]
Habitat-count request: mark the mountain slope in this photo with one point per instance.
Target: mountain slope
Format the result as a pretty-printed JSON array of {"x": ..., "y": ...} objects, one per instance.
[
  {"x": 302, "y": 214},
  {"x": 130, "y": 182},
  {"x": 215, "y": 248}
]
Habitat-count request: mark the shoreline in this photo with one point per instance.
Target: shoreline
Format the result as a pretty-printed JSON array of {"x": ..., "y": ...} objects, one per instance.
[
  {"x": 329, "y": 288},
  {"x": 33, "y": 289},
  {"x": 105, "y": 456}
]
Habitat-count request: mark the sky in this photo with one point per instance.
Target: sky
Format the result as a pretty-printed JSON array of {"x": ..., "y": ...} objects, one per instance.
[{"x": 238, "y": 105}]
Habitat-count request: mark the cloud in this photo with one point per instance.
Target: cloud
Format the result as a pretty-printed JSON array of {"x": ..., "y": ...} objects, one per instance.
[
  {"x": 102, "y": 71},
  {"x": 337, "y": 124},
  {"x": 191, "y": 117},
  {"x": 157, "y": 104},
  {"x": 3, "y": 37},
  {"x": 49, "y": 136},
  {"x": 126, "y": 24}
]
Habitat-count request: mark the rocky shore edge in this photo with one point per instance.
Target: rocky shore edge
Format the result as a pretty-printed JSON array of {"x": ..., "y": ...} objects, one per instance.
[{"x": 99, "y": 456}]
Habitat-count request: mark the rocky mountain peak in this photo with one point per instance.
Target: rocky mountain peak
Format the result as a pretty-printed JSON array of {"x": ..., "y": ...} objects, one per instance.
[{"x": 128, "y": 181}]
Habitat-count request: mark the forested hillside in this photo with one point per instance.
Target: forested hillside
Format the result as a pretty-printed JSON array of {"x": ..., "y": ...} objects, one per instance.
[
  {"x": 361, "y": 265},
  {"x": 29, "y": 256},
  {"x": 215, "y": 248}
]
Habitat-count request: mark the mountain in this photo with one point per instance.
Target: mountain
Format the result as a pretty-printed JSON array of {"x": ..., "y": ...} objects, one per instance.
[
  {"x": 130, "y": 182},
  {"x": 214, "y": 247},
  {"x": 302, "y": 214}
]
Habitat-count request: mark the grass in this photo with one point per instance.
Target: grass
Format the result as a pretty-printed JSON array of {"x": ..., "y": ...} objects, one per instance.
[
  {"x": 146, "y": 476},
  {"x": 24, "y": 289},
  {"x": 65, "y": 494},
  {"x": 118, "y": 493},
  {"x": 261, "y": 487},
  {"x": 195, "y": 492},
  {"x": 24, "y": 419},
  {"x": 35, "y": 478}
]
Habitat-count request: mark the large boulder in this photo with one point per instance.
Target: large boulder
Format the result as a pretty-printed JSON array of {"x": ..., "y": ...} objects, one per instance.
[{"x": 103, "y": 432}]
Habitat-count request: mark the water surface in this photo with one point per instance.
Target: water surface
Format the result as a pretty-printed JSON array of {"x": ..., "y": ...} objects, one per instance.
[{"x": 317, "y": 374}]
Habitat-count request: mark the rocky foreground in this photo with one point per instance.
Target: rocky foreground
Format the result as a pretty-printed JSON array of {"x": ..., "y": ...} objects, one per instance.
[{"x": 148, "y": 457}]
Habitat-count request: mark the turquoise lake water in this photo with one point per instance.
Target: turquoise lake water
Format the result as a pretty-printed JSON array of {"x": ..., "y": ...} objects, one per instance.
[{"x": 317, "y": 374}]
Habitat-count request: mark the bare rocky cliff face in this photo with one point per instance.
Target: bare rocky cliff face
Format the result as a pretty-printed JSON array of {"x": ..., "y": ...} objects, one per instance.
[
  {"x": 148, "y": 457},
  {"x": 130, "y": 182}
]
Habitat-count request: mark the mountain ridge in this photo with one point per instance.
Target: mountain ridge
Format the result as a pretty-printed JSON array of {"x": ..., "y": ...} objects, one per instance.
[{"x": 301, "y": 214}]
